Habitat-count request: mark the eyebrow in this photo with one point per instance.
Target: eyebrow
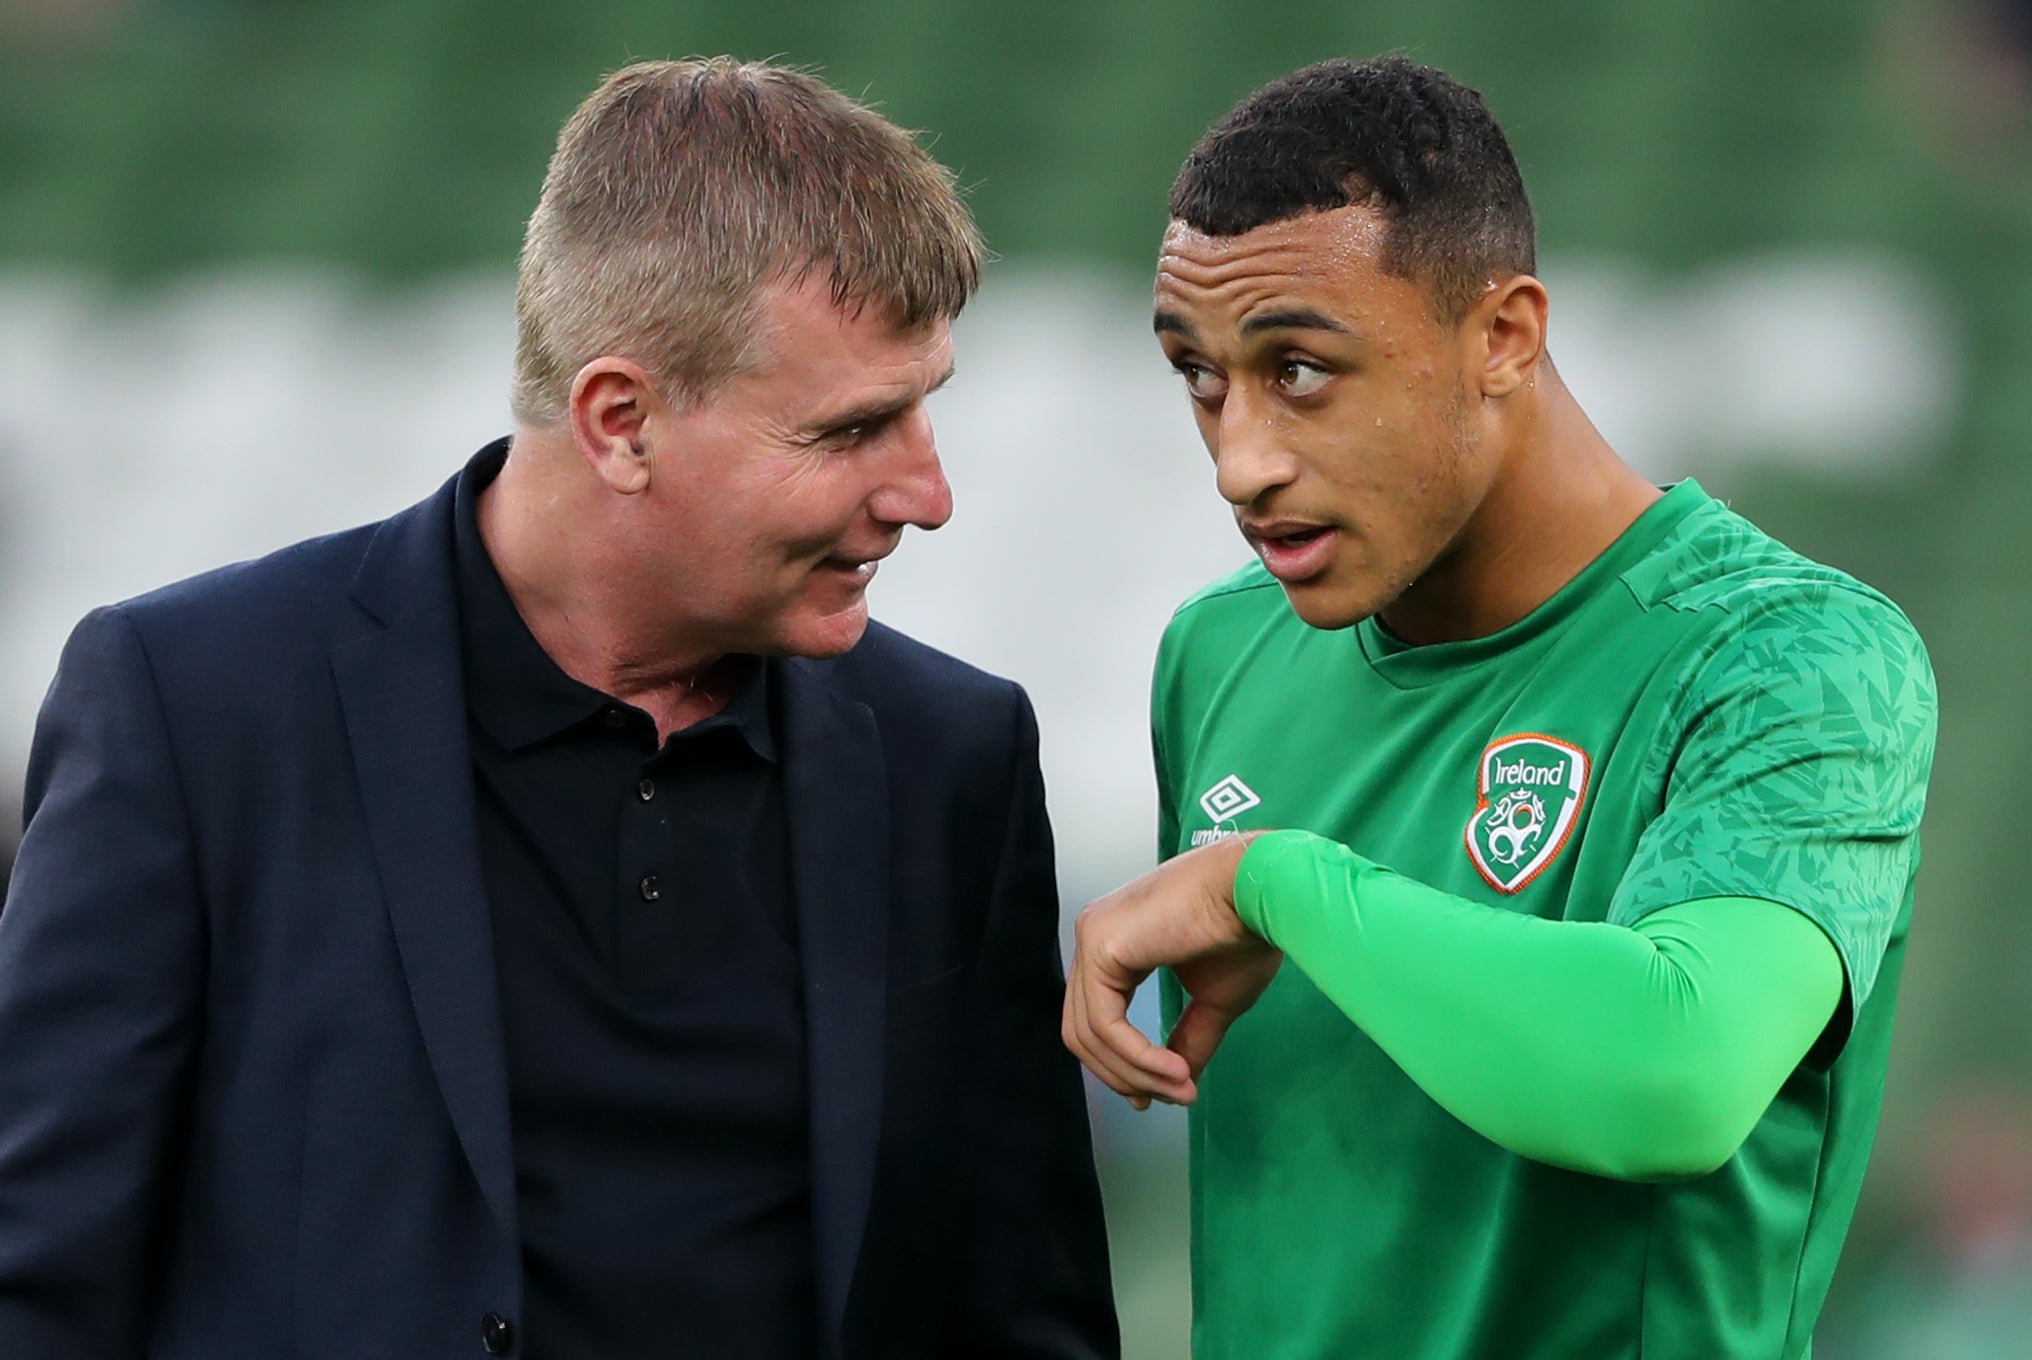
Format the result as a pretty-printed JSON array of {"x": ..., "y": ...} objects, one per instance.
[
  {"x": 1292, "y": 319},
  {"x": 875, "y": 411}
]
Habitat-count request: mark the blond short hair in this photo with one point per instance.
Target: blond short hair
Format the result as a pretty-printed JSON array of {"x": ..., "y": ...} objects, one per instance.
[{"x": 680, "y": 188}]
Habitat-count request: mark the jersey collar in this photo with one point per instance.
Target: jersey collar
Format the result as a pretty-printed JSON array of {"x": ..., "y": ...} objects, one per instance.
[{"x": 1411, "y": 667}]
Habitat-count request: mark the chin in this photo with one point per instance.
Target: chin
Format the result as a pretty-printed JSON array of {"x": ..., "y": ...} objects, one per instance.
[
  {"x": 1329, "y": 609},
  {"x": 826, "y": 636},
  {"x": 1349, "y": 591}
]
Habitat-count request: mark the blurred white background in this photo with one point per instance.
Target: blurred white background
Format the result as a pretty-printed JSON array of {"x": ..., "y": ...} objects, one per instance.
[{"x": 148, "y": 436}]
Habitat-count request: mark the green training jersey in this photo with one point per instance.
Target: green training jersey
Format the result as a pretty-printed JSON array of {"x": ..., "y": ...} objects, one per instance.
[{"x": 1700, "y": 713}]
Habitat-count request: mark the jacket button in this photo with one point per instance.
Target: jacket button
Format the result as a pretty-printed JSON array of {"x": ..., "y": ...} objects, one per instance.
[
  {"x": 497, "y": 1334},
  {"x": 650, "y": 887}
]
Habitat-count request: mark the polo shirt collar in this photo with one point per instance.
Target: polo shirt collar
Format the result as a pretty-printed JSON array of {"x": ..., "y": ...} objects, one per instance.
[{"x": 514, "y": 690}]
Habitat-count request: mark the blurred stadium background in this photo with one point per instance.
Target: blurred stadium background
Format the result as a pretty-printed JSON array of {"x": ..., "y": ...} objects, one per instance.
[{"x": 255, "y": 280}]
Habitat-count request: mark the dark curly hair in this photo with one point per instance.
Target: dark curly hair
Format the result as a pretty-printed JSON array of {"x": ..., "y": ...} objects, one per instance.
[{"x": 1406, "y": 139}]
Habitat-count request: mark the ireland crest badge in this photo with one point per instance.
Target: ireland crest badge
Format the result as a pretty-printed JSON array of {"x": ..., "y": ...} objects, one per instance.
[{"x": 1528, "y": 796}]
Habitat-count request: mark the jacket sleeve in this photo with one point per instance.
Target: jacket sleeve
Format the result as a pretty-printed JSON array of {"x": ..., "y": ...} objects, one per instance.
[
  {"x": 102, "y": 955},
  {"x": 1035, "y": 1284}
]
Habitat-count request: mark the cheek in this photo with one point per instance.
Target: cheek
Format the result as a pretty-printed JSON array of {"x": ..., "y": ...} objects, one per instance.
[
  {"x": 1379, "y": 465},
  {"x": 804, "y": 518},
  {"x": 1399, "y": 487},
  {"x": 728, "y": 539}
]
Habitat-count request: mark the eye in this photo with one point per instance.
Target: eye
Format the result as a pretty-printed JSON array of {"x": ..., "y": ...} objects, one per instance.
[
  {"x": 856, "y": 433},
  {"x": 1202, "y": 382},
  {"x": 1300, "y": 377}
]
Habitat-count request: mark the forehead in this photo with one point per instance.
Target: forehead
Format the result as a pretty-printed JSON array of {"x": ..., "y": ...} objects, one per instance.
[
  {"x": 1326, "y": 262},
  {"x": 808, "y": 341},
  {"x": 800, "y": 317}
]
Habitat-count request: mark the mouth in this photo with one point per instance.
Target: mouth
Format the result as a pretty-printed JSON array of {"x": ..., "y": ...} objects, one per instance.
[
  {"x": 1293, "y": 551},
  {"x": 854, "y": 570}
]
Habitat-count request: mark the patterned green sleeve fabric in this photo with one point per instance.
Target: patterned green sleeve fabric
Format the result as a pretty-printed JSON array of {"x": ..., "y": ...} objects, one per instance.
[{"x": 1798, "y": 765}]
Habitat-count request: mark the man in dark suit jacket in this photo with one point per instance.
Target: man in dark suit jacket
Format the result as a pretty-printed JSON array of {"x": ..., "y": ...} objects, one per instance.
[{"x": 554, "y": 921}]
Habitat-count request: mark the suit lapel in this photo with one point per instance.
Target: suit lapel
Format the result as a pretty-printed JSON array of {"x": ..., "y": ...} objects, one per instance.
[
  {"x": 400, "y": 685},
  {"x": 836, "y": 789},
  {"x": 401, "y": 689}
]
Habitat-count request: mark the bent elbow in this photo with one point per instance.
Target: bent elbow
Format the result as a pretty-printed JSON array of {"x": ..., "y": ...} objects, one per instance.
[
  {"x": 1670, "y": 1131},
  {"x": 1685, "y": 1159}
]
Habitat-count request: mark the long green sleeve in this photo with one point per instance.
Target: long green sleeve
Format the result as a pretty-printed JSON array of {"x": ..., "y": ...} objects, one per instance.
[{"x": 1641, "y": 1053}]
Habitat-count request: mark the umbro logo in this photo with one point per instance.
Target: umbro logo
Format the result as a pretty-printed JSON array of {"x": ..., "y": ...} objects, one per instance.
[
  {"x": 1222, "y": 803},
  {"x": 1229, "y": 798}
]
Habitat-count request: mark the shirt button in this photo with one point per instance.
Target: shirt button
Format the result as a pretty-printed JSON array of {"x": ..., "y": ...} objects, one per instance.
[
  {"x": 497, "y": 1334},
  {"x": 651, "y": 889},
  {"x": 614, "y": 717},
  {"x": 646, "y": 790}
]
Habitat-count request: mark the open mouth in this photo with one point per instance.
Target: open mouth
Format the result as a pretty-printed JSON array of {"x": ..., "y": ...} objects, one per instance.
[
  {"x": 1298, "y": 554},
  {"x": 860, "y": 570},
  {"x": 1299, "y": 539}
]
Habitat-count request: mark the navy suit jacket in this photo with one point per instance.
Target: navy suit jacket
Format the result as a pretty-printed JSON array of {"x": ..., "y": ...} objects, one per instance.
[{"x": 253, "y": 1099}]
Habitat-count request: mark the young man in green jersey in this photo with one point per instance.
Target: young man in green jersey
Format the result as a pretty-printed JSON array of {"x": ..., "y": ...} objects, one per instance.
[{"x": 1600, "y": 807}]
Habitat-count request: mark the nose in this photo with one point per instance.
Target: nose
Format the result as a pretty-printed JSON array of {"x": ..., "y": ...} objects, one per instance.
[
  {"x": 1251, "y": 457},
  {"x": 913, "y": 489}
]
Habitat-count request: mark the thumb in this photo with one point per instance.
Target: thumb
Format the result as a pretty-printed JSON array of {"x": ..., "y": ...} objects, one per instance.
[{"x": 1199, "y": 1031}]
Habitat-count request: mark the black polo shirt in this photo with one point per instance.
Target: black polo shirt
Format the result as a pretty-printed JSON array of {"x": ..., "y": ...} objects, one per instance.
[{"x": 650, "y": 990}]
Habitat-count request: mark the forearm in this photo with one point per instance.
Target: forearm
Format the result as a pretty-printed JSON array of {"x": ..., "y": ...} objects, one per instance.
[{"x": 1639, "y": 1053}]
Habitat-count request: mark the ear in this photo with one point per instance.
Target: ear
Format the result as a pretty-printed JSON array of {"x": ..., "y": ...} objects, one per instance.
[
  {"x": 612, "y": 403},
  {"x": 1510, "y": 324}
]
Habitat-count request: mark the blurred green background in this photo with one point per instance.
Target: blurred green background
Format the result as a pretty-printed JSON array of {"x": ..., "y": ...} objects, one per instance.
[{"x": 402, "y": 141}]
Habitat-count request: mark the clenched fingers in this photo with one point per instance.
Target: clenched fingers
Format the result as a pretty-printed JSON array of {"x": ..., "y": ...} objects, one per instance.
[{"x": 1098, "y": 1031}]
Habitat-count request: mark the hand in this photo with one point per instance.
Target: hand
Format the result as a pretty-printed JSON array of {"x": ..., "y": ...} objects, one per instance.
[{"x": 1182, "y": 913}]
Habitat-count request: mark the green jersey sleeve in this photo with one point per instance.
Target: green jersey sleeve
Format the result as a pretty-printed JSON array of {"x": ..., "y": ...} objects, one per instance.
[
  {"x": 1643, "y": 1053},
  {"x": 1798, "y": 758}
]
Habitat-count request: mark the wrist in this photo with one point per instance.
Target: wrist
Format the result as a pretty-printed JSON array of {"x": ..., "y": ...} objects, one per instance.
[
  {"x": 1220, "y": 863},
  {"x": 1267, "y": 858}
]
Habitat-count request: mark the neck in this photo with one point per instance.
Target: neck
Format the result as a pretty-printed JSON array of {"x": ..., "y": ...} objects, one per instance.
[
  {"x": 1561, "y": 497},
  {"x": 541, "y": 521}
]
